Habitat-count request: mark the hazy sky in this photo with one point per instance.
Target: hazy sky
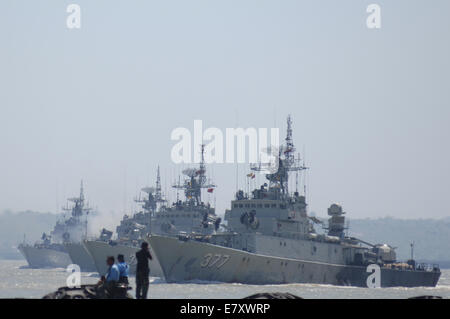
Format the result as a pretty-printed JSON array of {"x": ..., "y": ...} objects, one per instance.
[{"x": 370, "y": 107}]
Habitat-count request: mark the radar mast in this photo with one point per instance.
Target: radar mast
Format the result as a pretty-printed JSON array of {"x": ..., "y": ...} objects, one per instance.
[
  {"x": 287, "y": 162},
  {"x": 195, "y": 182}
]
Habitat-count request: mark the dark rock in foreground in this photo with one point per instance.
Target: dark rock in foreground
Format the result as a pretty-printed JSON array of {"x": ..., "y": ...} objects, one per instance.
[
  {"x": 273, "y": 295},
  {"x": 89, "y": 292},
  {"x": 98, "y": 292}
]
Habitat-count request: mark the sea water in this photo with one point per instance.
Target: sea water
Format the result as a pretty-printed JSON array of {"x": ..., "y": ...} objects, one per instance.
[{"x": 17, "y": 280}]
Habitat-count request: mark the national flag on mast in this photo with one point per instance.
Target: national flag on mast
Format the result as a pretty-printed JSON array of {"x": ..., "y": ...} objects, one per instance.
[{"x": 210, "y": 190}]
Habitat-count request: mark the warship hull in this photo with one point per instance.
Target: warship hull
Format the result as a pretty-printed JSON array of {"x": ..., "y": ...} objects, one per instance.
[
  {"x": 183, "y": 261},
  {"x": 40, "y": 257},
  {"x": 100, "y": 250},
  {"x": 80, "y": 256}
]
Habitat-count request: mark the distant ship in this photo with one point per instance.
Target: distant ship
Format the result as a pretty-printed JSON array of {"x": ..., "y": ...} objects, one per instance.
[
  {"x": 270, "y": 239},
  {"x": 51, "y": 250},
  {"x": 189, "y": 216}
]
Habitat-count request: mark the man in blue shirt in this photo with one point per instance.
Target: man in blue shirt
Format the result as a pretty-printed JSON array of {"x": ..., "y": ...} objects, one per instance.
[
  {"x": 113, "y": 274},
  {"x": 107, "y": 285},
  {"x": 123, "y": 269}
]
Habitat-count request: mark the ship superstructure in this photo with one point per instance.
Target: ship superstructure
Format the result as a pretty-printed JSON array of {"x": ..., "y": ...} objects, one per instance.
[{"x": 192, "y": 215}]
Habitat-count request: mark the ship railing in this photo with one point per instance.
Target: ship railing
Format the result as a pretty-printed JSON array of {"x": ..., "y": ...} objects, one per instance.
[
  {"x": 427, "y": 267},
  {"x": 399, "y": 266}
]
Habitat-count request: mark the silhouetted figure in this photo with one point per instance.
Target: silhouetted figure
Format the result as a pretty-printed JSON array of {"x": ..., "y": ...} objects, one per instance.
[{"x": 142, "y": 271}]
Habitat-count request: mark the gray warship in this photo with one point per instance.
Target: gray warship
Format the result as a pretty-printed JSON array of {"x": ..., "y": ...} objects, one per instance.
[
  {"x": 51, "y": 250},
  {"x": 270, "y": 239},
  {"x": 189, "y": 216},
  {"x": 80, "y": 255}
]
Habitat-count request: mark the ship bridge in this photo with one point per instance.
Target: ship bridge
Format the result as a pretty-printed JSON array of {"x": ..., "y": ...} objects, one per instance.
[{"x": 268, "y": 216}]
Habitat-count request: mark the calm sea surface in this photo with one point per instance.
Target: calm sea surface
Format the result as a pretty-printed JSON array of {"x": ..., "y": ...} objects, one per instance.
[{"x": 19, "y": 281}]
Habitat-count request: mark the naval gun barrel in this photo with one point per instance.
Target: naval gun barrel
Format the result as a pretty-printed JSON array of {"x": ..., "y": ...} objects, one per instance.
[{"x": 364, "y": 242}]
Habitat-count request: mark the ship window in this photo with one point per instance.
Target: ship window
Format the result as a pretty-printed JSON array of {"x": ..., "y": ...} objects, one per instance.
[
  {"x": 253, "y": 205},
  {"x": 274, "y": 205},
  {"x": 240, "y": 205},
  {"x": 188, "y": 215},
  {"x": 266, "y": 205},
  {"x": 247, "y": 205},
  {"x": 236, "y": 205},
  {"x": 259, "y": 205}
]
